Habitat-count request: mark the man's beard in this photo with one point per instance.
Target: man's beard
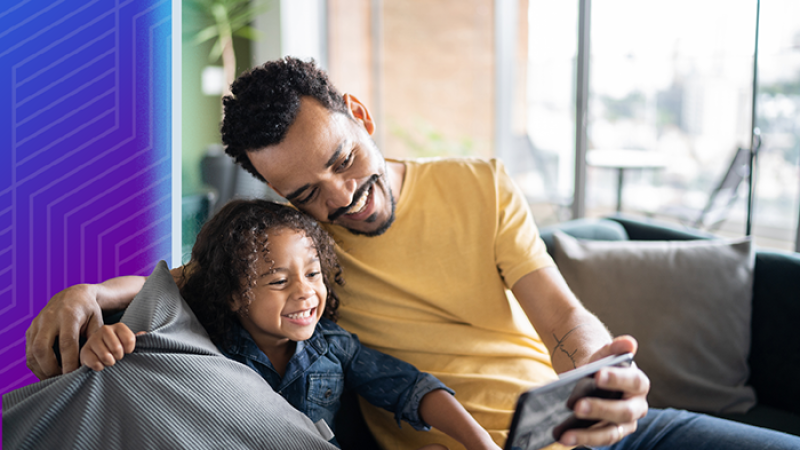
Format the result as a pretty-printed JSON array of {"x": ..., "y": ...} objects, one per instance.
[
  {"x": 367, "y": 186},
  {"x": 385, "y": 226},
  {"x": 373, "y": 180}
]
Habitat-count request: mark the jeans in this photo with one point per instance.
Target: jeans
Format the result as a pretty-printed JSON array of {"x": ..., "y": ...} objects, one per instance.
[{"x": 674, "y": 429}]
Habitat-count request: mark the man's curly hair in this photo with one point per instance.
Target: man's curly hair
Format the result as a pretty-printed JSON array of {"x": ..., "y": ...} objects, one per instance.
[
  {"x": 264, "y": 103},
  {"x": 226, "y": 252}
]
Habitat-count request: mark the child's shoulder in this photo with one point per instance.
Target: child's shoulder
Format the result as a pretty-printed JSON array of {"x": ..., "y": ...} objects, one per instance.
[{"x": 337, "y": 340}]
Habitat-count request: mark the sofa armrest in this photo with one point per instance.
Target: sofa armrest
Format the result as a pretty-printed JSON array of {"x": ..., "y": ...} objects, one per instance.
[
  {"x": 641, "y": 230},
  {"x": 592, "y": 229},
  {"x": 775, "y": 341}
]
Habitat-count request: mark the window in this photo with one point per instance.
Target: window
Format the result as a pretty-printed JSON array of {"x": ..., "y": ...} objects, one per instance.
[{"x": 672, "y": 79}]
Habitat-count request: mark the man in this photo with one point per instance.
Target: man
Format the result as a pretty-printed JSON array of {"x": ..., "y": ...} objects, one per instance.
[{"x": 429, "y": 251}]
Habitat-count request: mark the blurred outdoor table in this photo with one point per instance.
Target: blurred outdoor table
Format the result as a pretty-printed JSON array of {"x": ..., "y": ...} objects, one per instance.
[{"x": 622, "y": 160}]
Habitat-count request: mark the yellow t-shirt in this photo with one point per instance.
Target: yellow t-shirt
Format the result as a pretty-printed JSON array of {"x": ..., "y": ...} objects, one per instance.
[{"x": 433, "y": 291}]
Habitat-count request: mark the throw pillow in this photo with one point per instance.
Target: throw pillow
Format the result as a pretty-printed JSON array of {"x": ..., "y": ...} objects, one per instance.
[
  {"x": 176, "y": 390},
  {"x": 688, "y": 304}
]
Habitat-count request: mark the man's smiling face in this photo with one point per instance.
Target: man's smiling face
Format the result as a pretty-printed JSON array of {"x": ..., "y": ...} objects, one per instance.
[{"x": 329, "y": 167}]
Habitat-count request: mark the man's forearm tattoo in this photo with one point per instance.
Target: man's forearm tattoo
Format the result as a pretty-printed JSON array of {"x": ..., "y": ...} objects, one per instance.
[{"x": 560, "y": 346}]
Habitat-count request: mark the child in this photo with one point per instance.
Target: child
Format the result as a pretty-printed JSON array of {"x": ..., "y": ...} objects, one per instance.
[{"x": 259, "y": 281}]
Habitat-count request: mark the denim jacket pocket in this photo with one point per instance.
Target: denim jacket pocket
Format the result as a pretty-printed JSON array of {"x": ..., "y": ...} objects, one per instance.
[{"x": 325, "y": 388}]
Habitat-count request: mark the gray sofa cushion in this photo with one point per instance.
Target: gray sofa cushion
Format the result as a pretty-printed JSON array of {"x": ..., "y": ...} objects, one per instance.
[
  {"x": 688, "y": 303},
  {"x": 175, "y": 391}
]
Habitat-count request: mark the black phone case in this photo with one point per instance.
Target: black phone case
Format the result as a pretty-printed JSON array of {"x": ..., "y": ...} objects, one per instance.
[{"x": 543, "y": 414}]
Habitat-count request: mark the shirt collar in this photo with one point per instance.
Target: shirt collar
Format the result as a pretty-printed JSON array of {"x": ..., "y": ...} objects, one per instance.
[{"x": 242, "y": 344}]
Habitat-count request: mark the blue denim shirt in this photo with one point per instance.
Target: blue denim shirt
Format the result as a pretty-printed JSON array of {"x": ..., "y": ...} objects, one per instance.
[{"x": 333, "y": 360}]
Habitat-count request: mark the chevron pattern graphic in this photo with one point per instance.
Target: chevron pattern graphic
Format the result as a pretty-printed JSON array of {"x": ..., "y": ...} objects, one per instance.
[{"x": 85, "y": 152}]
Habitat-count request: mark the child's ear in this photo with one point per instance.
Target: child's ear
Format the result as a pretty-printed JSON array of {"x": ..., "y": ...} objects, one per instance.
[{"x": 235, "y": 302}]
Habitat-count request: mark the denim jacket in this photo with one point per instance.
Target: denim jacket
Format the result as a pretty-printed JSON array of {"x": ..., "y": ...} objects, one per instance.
[{"x": 333, "y": 360}]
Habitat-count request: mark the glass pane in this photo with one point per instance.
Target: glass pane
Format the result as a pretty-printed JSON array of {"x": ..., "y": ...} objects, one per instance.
[
  {"x": 670, "y": 82},
  {"x": 778, "y": 117},
  {"x": 552, "y": 49}
]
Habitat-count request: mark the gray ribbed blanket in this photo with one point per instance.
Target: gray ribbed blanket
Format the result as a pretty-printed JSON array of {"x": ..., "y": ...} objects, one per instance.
[{"x": 175, "y": 391}]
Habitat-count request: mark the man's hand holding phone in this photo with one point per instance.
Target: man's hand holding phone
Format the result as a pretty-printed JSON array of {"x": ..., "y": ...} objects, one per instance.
[{"x": 616, "y": 418}]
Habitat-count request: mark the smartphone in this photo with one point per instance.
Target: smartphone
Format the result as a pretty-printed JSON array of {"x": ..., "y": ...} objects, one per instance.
[{"x": 543, "y": 414}]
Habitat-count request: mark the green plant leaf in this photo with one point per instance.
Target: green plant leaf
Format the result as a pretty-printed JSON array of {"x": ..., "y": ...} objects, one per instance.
[
  {"x": 228, "y": 17},
  {"x": 206, "y": 34},
  {"x": 249, "y": 32},
  {"x": 216, "y": 51},
  {"x": 220, "y": 15}
]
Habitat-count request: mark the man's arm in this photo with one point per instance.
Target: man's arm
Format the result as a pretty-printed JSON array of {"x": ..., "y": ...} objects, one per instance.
[
  {"x": 575, "y": 337},
  {"x": 570, "y": 332},
  {"x": 75, "y": 311}
]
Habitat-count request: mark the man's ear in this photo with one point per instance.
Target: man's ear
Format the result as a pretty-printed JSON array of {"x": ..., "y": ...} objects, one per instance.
[{"x": 360, "y": 112}]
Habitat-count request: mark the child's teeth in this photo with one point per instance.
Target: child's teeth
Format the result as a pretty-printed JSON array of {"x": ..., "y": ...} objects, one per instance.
[{"x": 300, "y": 315}]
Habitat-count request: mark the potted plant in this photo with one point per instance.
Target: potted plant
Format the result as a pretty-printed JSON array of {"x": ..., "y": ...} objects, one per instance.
[{"x": 227, "y": 18}]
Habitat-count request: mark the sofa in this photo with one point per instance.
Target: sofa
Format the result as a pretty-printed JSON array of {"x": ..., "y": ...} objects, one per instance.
[{"x": 774, "y": 351}]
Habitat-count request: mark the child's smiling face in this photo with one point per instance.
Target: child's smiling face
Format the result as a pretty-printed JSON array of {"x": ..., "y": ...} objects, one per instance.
[{"x": 289, "y": 296}]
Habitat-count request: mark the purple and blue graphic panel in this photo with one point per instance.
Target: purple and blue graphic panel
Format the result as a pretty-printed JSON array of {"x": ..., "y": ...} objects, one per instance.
[{"x": 85, "y": 152}]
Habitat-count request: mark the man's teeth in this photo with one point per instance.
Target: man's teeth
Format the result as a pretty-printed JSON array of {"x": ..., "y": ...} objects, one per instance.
[
  {"x": 300, "y": 315},
  {"x": 359, "y": 206}
]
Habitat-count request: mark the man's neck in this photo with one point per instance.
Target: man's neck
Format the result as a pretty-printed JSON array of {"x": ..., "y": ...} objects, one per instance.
[{"x": 396, "y": 171}]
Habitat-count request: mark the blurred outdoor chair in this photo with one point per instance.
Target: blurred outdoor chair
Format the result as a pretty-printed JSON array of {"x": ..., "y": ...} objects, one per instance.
[
  {"x": 544, "y": 165},
  {"x": 722, "y": 198}
]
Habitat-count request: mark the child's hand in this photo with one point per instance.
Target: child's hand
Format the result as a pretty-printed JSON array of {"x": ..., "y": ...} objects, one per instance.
[
  {"x": 107, "y": 346},
  {"x": 440, "y": 410}
]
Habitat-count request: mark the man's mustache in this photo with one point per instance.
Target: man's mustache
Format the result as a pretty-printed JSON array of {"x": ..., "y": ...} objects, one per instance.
[{"x": 341, "y": 211}]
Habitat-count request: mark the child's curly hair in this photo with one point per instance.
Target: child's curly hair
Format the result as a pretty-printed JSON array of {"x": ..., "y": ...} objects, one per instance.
[{"x": 226, "y": 251}]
